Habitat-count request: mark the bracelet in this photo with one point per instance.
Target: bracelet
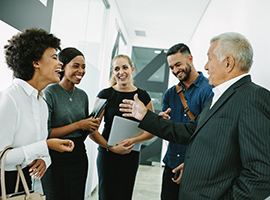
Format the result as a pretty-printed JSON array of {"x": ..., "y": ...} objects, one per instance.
[{"x": 107, "y": 148}]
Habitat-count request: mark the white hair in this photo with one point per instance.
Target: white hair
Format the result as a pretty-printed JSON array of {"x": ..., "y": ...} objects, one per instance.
[{"x": 235, "y": 45}]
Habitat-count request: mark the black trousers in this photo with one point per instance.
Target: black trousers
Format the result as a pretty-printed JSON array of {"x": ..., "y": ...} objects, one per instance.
[
  {"x": 11, "y": 177},
  {"x": 116, "y": 174},
  {"x": 169, "y": 190}
]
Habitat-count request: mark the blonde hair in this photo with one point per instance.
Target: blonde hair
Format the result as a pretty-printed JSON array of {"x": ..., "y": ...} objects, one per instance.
[{"x": 112, "y": 79}]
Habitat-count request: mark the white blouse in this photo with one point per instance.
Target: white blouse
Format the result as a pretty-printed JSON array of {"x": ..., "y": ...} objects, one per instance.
[{"x": 23, "y": 125}]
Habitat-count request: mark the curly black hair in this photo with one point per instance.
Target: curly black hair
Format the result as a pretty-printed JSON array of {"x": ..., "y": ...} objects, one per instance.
[{"x": 27, "y": 47}]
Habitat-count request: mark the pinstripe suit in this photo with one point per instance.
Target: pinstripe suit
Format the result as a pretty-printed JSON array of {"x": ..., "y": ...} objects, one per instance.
[{"x": 228, "y": 155}]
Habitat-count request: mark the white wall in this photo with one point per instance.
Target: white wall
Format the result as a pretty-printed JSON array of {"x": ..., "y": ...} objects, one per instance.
[
  {"x": 112, "y": 18},
  {"x": 248, "y": 17},
  {"x": 6, "y": 74}
]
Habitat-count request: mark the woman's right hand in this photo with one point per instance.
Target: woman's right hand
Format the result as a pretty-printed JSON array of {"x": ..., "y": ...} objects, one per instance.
[
  {"x": 60, "y": 145},
  {"x": 89, "y": 124},
  {"x": 122, "y": 148}
]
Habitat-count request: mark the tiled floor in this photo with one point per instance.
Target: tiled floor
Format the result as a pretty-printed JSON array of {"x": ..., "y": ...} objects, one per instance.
[{"x": 147, "y": 185}]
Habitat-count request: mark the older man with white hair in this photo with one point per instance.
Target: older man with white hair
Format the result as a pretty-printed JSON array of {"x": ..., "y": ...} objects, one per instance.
[{"x": 228, "y": 154}]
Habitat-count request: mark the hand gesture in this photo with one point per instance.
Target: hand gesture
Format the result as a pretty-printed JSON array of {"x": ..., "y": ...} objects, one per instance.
[
  {"x": 134, "y": 108},
  {"x": 60, "y": 144},
  {"x": 180, "y": 167},
  {"x": 166, "y": 114},
  {"x": 38, "y": 168}
]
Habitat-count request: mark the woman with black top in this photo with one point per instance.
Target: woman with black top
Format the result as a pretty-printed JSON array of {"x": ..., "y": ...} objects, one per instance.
[
  {"x": 117, "y": 165},
  {"x": 68, "y": 111}
]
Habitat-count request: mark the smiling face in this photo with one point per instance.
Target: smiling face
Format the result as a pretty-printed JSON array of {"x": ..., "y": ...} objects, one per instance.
[
  {"x": 216, "y": 69},
  {"x": 122, "y": 71},
  {"x": 48, "y": 67},
  {"x": 74, "y": 70},
  {"x": 180, "y": 65}
]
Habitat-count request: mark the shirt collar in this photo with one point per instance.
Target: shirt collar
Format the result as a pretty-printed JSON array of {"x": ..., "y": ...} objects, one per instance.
[
  {"x": 29, "y": 89},
  {"x": 198, "y": 79},
  {"x": 196, "y": 82},
  {"x": 220, "y": 89}
]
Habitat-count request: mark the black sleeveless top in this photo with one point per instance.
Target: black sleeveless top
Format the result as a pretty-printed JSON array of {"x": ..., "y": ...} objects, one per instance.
[{"x": 112, "y": 108}]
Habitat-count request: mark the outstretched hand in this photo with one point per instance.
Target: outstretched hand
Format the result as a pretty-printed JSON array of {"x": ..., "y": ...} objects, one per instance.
[{"x": 133, "y": 108}]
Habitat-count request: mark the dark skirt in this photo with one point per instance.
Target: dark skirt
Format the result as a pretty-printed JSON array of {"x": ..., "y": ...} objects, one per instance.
[
  {"x": 66, "y": 177},
  {"x": 116, "y": 174},
  {"x": 11, "y": 177}
]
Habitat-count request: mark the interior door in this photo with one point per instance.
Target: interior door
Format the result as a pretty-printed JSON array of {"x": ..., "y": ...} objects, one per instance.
[{"x": 152, "y": 76}]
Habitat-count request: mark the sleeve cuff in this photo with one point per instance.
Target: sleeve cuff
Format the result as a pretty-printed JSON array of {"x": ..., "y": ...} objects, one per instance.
[
  {"x": 34, "y": 150},
  {"x": 47, "y": 161},
  {"x": 149, "y": 116}
]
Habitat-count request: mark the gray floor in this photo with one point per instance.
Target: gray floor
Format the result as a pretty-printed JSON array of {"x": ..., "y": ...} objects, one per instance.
[{"x": 147, "y": 185}]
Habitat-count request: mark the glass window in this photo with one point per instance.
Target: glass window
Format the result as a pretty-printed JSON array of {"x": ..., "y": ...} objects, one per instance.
[{"x": 81, "y": 26}]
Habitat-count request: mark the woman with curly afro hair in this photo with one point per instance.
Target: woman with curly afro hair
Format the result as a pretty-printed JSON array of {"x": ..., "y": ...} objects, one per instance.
[{"x": 32, "y": 57}]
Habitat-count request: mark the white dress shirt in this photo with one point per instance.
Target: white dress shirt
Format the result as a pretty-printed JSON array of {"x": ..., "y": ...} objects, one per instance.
[
  {"x": 23, "y": 125},
  {"x": 220, "y": 89}
]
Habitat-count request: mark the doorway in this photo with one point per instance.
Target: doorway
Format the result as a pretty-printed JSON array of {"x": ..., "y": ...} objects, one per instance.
[{"x": 151, "y": 74}]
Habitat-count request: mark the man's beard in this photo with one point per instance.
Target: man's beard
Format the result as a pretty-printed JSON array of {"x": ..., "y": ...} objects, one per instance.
[{"x": 187, "y": 72}]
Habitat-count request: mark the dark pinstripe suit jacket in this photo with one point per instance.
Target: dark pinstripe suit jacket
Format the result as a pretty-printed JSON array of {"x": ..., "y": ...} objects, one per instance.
[{"x": 228, "y": 155}]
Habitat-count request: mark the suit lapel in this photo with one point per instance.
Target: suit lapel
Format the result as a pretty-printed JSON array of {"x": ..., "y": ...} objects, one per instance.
[{"x": 207, "y": 113}]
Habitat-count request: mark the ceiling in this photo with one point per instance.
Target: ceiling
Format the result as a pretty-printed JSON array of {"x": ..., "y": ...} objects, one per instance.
[{"x": 164, "y": 22}]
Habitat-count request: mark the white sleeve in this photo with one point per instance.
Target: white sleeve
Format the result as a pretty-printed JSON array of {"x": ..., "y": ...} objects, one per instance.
[
  {"x": 15, "y": 156},
  {"x": 8, "y": 120},
  {"x": 23, "y": 155},
  {"x": 26, "y": 154},
  {"x": 47, "y": 160},
  {"x": 35, "y": 150}
]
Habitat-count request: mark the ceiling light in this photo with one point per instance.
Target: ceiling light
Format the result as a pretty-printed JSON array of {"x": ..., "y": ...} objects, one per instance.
[{"x": 157, "y": 51}]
